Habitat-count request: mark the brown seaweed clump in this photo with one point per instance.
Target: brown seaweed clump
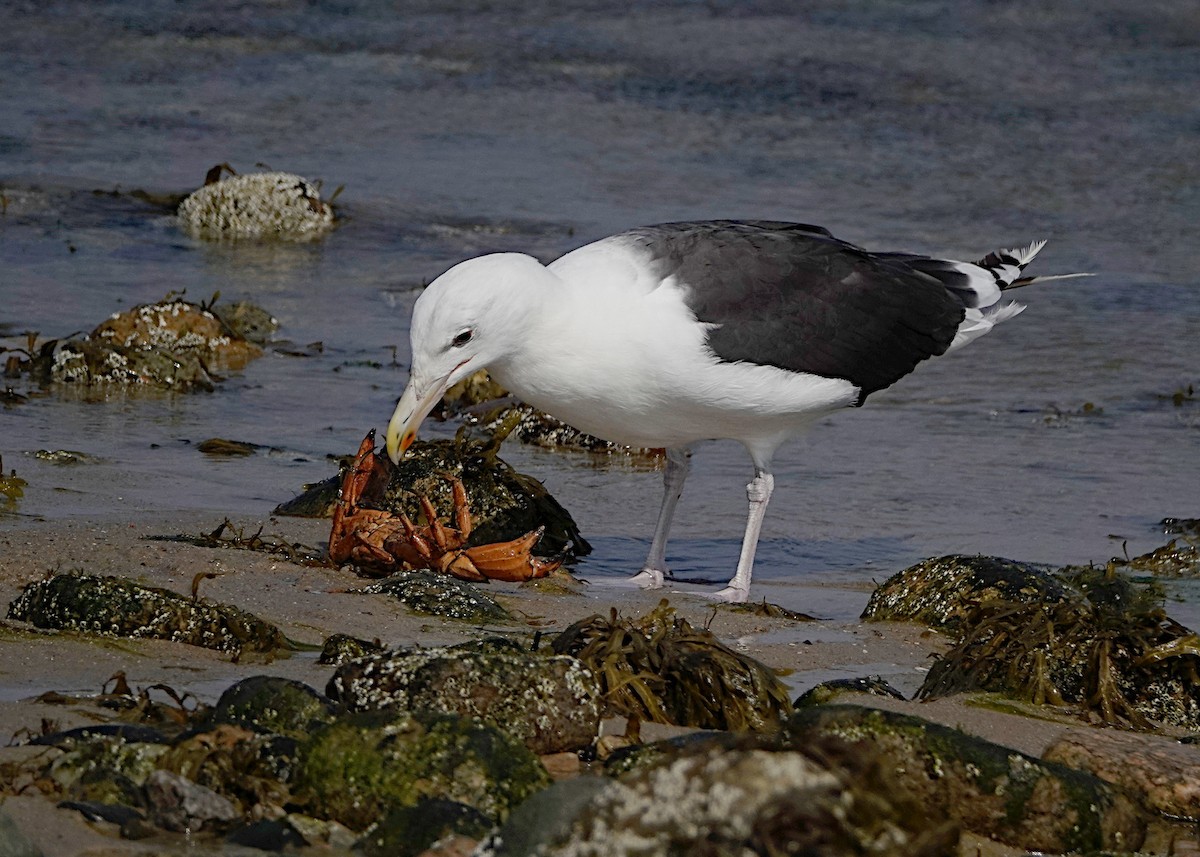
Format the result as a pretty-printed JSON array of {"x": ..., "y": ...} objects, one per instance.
[
  {"x": 659, "y": 667},
  {"x": 1108, "y": 648},
  {"x": 120, "y": 607}
]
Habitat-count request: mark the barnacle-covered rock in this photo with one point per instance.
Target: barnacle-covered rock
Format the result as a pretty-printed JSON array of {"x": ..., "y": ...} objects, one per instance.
[
  {"x": 172, "y": 344},
  {"x": 659, "y": 667},
  {"x": 549, "y": 703},
  {"x": 119, "y": 607},
  {"x": 362, "y": 766},
  {"x": 257, "y": 206},
  {"x": 941, "y": 592},
  {"x": 435, "y": 594},
  {"x": 722, "y": 797}
]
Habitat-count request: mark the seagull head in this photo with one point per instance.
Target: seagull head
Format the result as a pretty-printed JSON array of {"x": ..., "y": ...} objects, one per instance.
[{"x": 467, "y": 319}]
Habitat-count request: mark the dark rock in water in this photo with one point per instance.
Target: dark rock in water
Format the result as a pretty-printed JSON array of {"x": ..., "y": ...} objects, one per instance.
[
  {"x": 267, "y": 835},
  {"x": 549, "y": 703},
  {"x": 1108, "y": 648},
  {"x": 538, "y": 428},
  {"x": 1181, "y": 526},
  {"x": 176, "y": 803},
  {"x": 113, "y": 813},
  {"x": 1179, "y": 557},
  {"x": 363, "y": 766},
  {"x": 1164, "y": 772},
  {"x": 504, "y": 504},
  {"x": 272, "y": 704},
  {"x": 408, "y": 831},
  {"x": 131, "y": 732},
  {"x": 990, "y": 790},
  {"x": 941, "y": 592},
  {"x": 316, "y": 500},
  {"x": 658, "y": 667},
  {"x": 119, "y": 607},
  {"x": 827, "y": 691},
  {"x": 437, "y": 594},
  {"x": 340, "y": 648}
]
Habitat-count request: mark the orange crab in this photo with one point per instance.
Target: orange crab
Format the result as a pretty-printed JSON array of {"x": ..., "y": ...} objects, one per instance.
[{"x": 387, "y": 542}]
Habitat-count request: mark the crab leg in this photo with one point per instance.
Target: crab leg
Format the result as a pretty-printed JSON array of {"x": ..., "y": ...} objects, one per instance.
[{"x": 511, "y": 561}]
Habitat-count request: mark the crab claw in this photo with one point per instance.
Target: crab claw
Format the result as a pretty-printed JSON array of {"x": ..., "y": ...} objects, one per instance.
[{"x": 512, "y": 561}]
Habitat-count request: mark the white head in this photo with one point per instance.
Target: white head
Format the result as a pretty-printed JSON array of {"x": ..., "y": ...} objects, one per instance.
[{"x": 467, "y": 319}]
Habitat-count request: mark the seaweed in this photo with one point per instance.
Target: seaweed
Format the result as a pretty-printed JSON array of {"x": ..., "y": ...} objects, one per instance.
[
  {"x": 659, "y": 667},
  {"x": 1108, "y": 649}
]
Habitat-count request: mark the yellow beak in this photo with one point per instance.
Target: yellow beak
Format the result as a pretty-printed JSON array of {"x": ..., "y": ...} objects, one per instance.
[{"x": 410, "y": 411}]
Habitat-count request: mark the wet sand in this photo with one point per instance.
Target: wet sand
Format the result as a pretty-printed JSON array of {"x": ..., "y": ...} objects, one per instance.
[{"x": 310, "y": 604}]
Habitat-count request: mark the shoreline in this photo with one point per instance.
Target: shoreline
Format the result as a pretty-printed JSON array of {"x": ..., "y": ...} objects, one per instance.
[{"x": 311, "y": 603}]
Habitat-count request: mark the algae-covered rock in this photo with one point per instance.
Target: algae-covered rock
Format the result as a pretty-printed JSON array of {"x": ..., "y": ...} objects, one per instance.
[
  {"x": 409, "y": 831},
  {"x": 340, "y": 648},
  {"x": 990, "y": 790},
  {"x": 549, "y": 703},
  {"x": 363, "y": 766},
  {"x": 119, "y": 607},
  {"x": 941, "y": 592},
  {"x": 435, "y": 594},
  {"x": 272, "y": 704},
  {"x": 659, "y": 667},
  {"x": 1108, "y": 648},
  {"x": 256, "y": 206}
]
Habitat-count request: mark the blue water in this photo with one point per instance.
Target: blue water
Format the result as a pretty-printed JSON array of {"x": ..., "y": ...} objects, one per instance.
[{"x": 456, "y": 129}]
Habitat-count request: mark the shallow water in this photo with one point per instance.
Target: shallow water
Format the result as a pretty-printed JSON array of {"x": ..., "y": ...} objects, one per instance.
[{"x": 935, "y": 127}]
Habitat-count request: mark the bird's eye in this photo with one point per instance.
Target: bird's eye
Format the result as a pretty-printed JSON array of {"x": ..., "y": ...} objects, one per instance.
[{"x": 463, "y": 337}]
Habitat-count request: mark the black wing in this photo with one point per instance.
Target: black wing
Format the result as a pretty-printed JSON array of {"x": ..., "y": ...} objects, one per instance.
[{"x": 791, "y": 295}]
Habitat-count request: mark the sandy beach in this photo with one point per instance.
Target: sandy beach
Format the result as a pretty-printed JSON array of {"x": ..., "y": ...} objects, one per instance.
[{"x": 310, "y": 604}]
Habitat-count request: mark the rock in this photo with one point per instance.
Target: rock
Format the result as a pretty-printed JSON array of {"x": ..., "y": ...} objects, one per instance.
[
  {"x": 365, "y": 765},
  {"x": 272, "y": 704},
  {"x": 119, "y": 607},
  {"x": 171, "y": 344},
  {"x": 267, "y": 835},
  {"x": 176, "y": 803},
  {"x": 990, "y": 790},
  {"x": 408, "y": 831},
  {"x": 941, "y": 592},
  {"x": 436, "y": 594},
  {"x": 256, "y": 206},
  {"x": 551, "y": 704},
  {"x": 340, "y": 648},
  {"x": 504, "y": 503},
  {"x": 720, "y": 799},
  {"x": 827, "y": 691},
  {"x": 1164, "y": 772},
  {"x": 14, "y": 843}
]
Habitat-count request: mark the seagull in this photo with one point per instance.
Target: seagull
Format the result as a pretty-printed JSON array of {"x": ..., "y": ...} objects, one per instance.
[{"x": 664, "y": 336}]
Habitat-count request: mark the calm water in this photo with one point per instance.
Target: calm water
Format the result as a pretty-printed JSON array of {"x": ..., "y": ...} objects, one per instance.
[{"x": 948, "y": 128}]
